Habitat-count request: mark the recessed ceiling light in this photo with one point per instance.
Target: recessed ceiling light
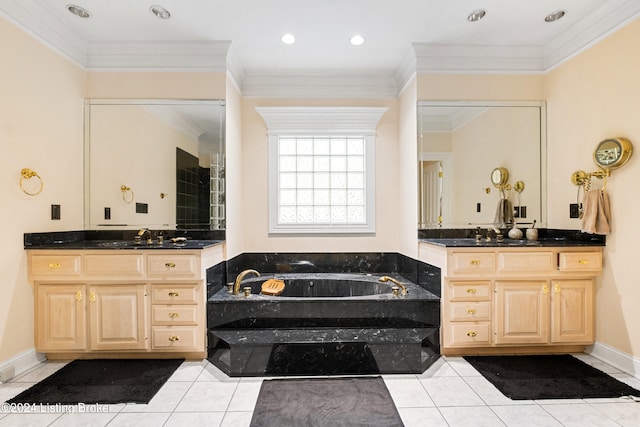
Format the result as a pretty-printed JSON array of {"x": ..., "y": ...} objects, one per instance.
[
  {"x": 476, "y": 15},
  {"x": 357, "y": 40},
  {"x": 78, "y": 11},
  {"x": 288, "y": 39},
  {"x": 554, "y": 16},
  {"x": 160, "y": 12}
]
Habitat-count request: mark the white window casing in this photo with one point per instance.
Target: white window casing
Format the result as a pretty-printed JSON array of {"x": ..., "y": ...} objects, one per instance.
[{"x": 316, "y": 184}]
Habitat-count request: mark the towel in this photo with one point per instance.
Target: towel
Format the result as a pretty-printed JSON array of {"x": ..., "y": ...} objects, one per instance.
[
  {"x": 504, "y": 213},
  {"x": 597, "y": 213}
]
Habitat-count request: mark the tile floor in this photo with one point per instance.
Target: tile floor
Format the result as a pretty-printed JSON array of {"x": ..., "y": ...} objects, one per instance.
[{"x": 449, "y": 393}]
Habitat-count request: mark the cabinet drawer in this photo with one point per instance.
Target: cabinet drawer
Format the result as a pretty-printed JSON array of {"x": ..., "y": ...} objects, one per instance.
[
  {"x": 470, "y": 333},
  {"x": 469, "y": 291},
  {"x": 580, "y": 261},
  {"x": 173, "y": 265},
  {"x": 526, "y": 262},
  {"x": 56, "y": 265},
  {"x": 174, "y": 315},
  {"x": 175, "y": 294},
  {"x": 469, "y": 311},
  {"x": 472, "y": 263},
  {"x": 178, "y": 337},
  {"x": 113, "y": 265}
]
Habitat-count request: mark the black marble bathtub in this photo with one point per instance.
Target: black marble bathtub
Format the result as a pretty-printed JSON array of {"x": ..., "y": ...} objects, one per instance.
[{"x": 324, "y": 324}]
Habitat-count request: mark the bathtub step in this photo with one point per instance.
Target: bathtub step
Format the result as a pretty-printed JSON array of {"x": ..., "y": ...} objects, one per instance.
[{"x": 323, "y": 351}]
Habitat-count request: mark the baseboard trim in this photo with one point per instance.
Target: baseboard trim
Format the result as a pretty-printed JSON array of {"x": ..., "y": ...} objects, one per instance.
[
  {"x": 627, "y": 363},
  {"x": 23, "y": 362}
]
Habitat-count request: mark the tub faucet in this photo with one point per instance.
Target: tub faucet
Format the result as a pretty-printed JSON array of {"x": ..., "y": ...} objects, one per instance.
[
  {"x": 236, "y": 285},
  {"x": 391, "y": 279}
]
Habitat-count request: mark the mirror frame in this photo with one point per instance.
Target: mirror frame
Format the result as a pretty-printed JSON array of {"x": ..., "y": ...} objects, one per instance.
[
  {"x": 127, "y": 102},
  {"x": 624, "y": 155},
  {"x": 542, "y": 221}
]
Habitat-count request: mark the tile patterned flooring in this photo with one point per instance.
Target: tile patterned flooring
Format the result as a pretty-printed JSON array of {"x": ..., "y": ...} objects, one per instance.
[{"x": 449, "y": 393}]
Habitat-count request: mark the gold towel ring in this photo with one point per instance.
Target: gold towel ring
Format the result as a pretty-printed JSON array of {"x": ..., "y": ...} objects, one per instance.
[
  {"x": 124, "y": 190},
  {"x": 27, "y": 174}
]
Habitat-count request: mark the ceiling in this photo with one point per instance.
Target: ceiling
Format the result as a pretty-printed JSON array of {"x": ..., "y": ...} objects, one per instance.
[{"x": 244, "y": 36}]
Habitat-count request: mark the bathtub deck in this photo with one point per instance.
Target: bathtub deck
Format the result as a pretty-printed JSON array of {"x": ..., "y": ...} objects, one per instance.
[{"x": 324, "y": 351}]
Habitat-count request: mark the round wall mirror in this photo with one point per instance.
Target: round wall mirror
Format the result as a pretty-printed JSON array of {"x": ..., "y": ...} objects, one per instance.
[
  {"x": 499, "y": 177},
  {"x": 612, "y": 153}
]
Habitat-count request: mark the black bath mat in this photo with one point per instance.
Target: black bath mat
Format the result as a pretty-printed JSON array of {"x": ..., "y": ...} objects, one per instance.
[
  {"x": 548, "y": 377},
  {"x": 361, "y": 401},
  {"x": 104, "y": 381}
]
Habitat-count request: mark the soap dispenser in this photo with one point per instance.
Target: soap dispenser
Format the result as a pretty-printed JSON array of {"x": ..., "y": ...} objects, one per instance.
[{"x": 515, "y": 233}]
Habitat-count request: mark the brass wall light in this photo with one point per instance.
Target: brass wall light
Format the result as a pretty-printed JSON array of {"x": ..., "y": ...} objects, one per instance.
[{"x": 25, "y": 176}]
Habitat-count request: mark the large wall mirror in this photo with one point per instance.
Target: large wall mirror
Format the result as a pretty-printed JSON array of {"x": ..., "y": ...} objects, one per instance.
[
  {"x": 155, "y": 163},
  {"x": 461, "y": 144}
]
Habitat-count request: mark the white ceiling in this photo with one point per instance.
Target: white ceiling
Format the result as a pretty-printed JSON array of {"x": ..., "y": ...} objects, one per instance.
[{"x": 243, "y": 36}]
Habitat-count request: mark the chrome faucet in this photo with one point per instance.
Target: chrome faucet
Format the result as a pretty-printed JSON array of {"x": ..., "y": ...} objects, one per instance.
[
  {"x": 499, "y": 236},
  {"x": 391, "y": 279},
  {"x": 144, "y": 231},
  {"x": 236, "y": 285}
]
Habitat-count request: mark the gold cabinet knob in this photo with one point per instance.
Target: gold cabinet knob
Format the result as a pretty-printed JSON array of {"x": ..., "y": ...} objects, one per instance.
[
  {"x": 79, "y": 296},
  {"x": 174, "y": 294},
  {"x": 92, "y": 296},
  {"x": 583, "y": 261},
  {"x": 173, "y": 315},
  {"x": 471, "y": 291},
  {"x": 55, "y": 265},
  {"x": 471, "y": 334},
  {"x": 174, "y": 338},
  {"x": 545, "y": 289},
  {"x": 475, "y": 262},
  {"x": 471, "y": 311},
  {"x": 170, "y": 264},
  {"x": 556, "y": 288}
]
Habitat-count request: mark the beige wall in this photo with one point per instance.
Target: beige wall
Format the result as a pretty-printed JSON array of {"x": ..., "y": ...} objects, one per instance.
[
  {"x": 407, "y": 189},
  {"x": 255, "y": 192},
  {"x": 233, "y": 171},
  {"x": 592, "y": 97},
  {"x": 41, "y": 122}
]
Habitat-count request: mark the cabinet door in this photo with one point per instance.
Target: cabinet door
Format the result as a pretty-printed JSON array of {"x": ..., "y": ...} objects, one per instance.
[
  {"x": 522, "y": 312},
  {"x": 118, "y": 317},
  {"x": 572, "y": 311},
  {"x": 60, "y": 317}
]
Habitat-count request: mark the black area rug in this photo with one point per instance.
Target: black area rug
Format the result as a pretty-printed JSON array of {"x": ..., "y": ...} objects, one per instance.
[
  {"x": 104, "y": 381},
  {"x": 548, "y": 377},
  {"x": 362, "y": 401}
]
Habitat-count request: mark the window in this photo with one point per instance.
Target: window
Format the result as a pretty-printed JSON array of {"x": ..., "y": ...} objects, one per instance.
[{"x": 321, "y": 169}]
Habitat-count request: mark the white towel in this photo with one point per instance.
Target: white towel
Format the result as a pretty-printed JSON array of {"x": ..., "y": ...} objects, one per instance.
[{"x": 597, "y": 213}]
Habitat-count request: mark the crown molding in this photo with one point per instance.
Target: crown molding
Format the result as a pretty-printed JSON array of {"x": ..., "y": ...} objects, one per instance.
[
  {"x": 321, "y": 119},
  {"x": 158, "y": 55},
  {"x": 477, "y": 58},
  {"x": 35, "y": 22},
  {"x": 603, "y": 21},
  {"x": 302, "y": 84}
]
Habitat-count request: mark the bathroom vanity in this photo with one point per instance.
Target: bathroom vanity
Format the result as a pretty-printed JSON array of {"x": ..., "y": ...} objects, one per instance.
[
  {"x": 514, "y": 297},
  {"x": 95, "y": 300}
]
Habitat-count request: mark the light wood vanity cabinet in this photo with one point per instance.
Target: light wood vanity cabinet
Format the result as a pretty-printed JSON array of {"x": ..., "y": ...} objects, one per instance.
[
  {"x": 515, "y": 300},
  {"x": 121, "y": 303}
]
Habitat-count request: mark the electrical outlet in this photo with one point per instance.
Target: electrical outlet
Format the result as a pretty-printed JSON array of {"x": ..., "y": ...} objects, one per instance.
[
  {"x": 55, "y": 211},
  {"x": 478, "y": 207},
  {"x": 574, "y": 210},
  {"x": 523, "y": 211},
  {"x": 107, "y": 213},
  {"x": 516, "y": 211}
]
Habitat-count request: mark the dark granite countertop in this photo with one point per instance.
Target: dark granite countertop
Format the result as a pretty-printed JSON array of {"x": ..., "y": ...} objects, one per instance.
[
  {"x": 126, "y": 245},
  {"x": 509, "y": 243}
]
